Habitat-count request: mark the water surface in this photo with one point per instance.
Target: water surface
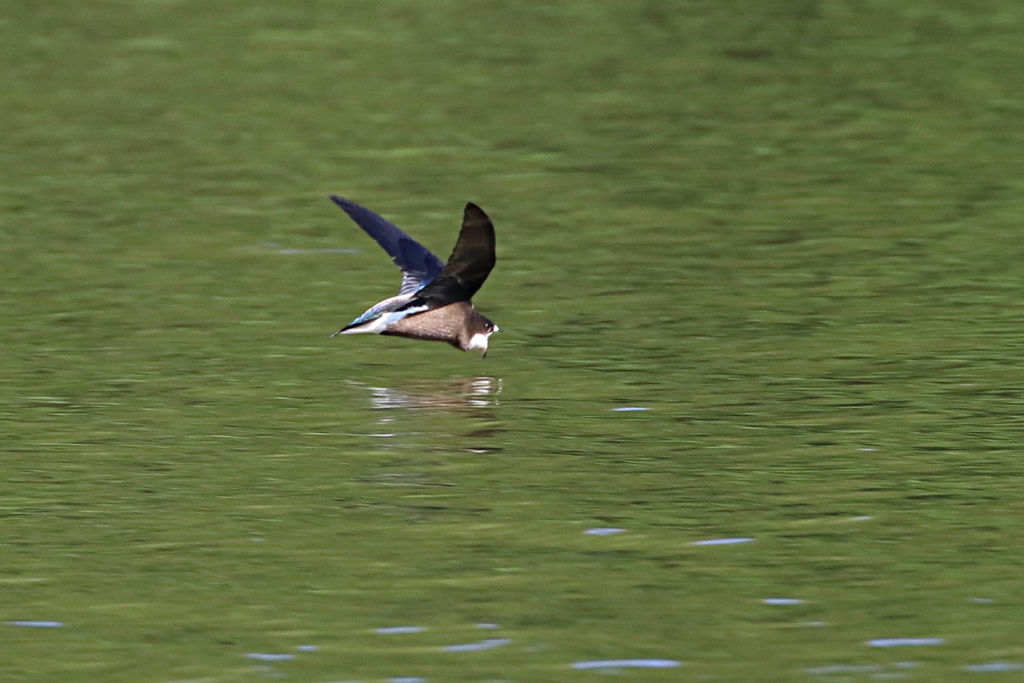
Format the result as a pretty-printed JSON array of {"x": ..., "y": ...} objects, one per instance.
[{"x": 754, "y": 406}]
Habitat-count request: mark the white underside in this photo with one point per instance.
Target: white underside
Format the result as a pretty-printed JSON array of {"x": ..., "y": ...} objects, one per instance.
[
  {"x": 377, "y": 325},
  {"x": 372, "y": 327}
]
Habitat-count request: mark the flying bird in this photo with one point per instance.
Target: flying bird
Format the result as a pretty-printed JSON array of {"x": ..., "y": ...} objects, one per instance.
[{"x": 435, "y": 300}]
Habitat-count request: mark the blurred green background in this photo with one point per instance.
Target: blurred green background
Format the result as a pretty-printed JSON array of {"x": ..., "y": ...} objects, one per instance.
[{"x": 788, "y": 229}]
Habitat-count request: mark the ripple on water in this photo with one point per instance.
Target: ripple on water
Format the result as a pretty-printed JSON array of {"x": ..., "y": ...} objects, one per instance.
[
  {"x": 291, "y": 252},
  {"x": 628, "y": 664},
  {"x": 487, "y": 644},
  {"x": 399, "y": 630},
  {"x": 604, "y": 531},
  {"x": 838, "y": 669},
  {"x": 994, "y": 667},
  {"x": 31, "y": 623},
  {"x": 723, "y": 541},
  {"x": 783, "y": 601},
  {"x": 270, "y": 656},
  {"x": 905, "y": 642}
]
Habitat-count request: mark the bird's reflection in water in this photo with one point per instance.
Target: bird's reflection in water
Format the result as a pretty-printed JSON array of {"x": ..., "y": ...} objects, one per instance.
[
  {"x": 466, "y": 392},
  {"x": 464, "y": 408}
]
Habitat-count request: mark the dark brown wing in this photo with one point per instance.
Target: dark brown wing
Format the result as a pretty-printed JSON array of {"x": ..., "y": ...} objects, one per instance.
[{"x": 469, "y": 265}]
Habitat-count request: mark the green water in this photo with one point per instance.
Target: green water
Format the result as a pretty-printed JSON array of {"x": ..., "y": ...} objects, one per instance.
[{"x": 789, "y": 230}]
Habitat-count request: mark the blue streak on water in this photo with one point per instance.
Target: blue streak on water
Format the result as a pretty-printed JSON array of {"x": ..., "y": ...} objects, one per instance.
[
  {"x": 723, "y": 541},
  {"x": 628, "y": 664},
  {"x": 783, "y": 601},
  {"x": 30, "y": 623},
  {"x": 291, "y": 251},
  {"x": 487, "y": 644},
  {"x": 604, "y": 531},
  {"x": 630, "y": 409},
  {"x": 834, "y": 669},
  {"x": 307, "y": 648},
  {"x": 905, "y": 642},
  {"x": 994, "y": 667},
  {"x": 270, "y": 656},
  {"x": 407, "y": 679},
  {"x": 399, "y": 630}
]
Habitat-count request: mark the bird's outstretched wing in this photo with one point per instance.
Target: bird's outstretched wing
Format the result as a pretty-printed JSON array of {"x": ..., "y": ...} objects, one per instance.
[
  {"x": 469, "y": 265},
  {"x": 419, "y": 266}
]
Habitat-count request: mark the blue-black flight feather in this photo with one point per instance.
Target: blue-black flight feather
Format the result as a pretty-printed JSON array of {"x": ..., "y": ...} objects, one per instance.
[
  {"x": 471, "y": 262},
  {"x": 419, "y": 266}
]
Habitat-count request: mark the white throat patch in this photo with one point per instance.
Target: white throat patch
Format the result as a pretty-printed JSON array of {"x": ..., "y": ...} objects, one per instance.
[{"x": 478, "y": 341}]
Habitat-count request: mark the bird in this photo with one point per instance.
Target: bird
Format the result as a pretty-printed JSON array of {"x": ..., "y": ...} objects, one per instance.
[{"x": 434, "y": 302}]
